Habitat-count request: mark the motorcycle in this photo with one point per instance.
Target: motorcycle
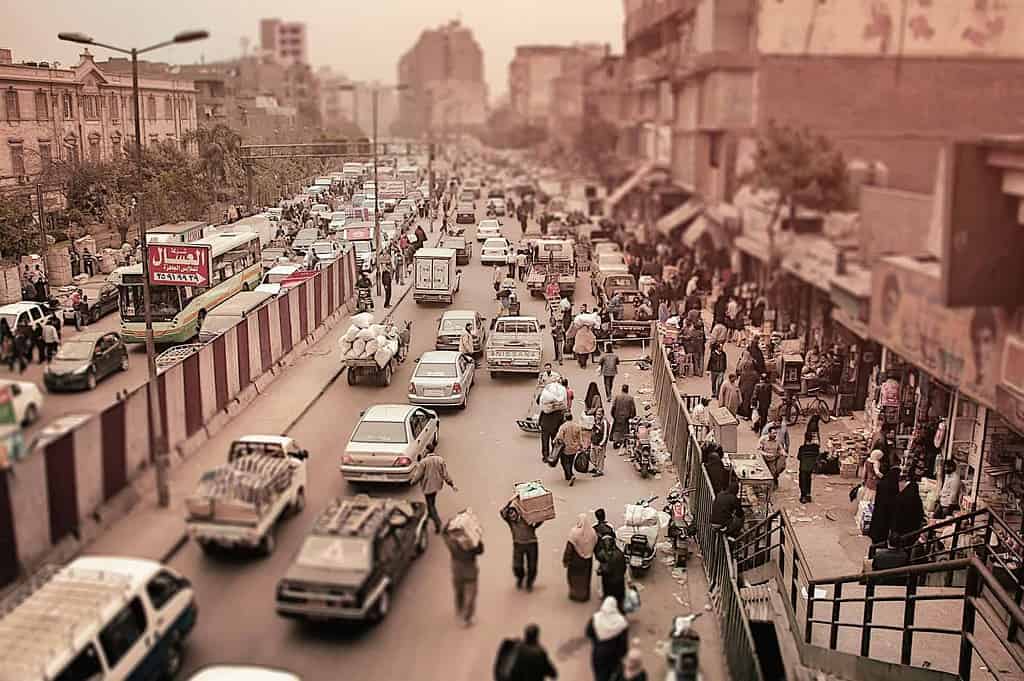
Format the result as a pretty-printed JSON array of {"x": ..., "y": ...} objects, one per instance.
[
  {"x": 364, "y": 300},
  {"x": 681, "y": 525},
  {"x": 639, "y": 534},
  {"x": 638, "y": 446},
  {"x": 683, "y": 649}
]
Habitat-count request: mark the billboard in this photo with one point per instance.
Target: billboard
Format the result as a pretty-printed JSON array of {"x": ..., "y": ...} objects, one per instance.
[
  {"x": 179, "y": 265},
  {"x": 959, "y": 346},
  {"x": 392, "y": 189}
]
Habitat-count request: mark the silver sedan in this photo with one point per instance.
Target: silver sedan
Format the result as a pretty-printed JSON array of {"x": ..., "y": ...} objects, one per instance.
[{"x": 442, "y": 379}]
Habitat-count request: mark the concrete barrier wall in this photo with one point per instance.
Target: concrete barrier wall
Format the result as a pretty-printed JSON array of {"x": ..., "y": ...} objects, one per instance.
[{"x": 62, "y": 490}]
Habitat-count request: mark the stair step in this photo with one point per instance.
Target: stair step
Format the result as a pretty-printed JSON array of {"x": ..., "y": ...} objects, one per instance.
[{"x": 757, "y": 602}]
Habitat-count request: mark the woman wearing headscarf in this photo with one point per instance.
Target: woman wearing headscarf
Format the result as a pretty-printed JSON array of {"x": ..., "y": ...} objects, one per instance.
[
  {"x": 593, "y": 401},
  {"x": 748, "y": 381},
  {"x": 754, "y": 350},
  {"x": 885, "y": 505},
  {"x": 578, "y": 559},
  {"x": 633, "y": 667},
  {"x": 908, "y": 510},
  {"x": 584, "y": 344},
  {"x": 608, "y": 632},
  {"x": 612, "y": 570}
]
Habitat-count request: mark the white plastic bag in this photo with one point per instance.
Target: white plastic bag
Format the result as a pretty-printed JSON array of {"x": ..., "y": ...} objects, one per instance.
[
  {"x": 366, "y": 335},
  {"x": 362, "y": 320},
  {"x": 466, "y": 530},
  {"x": 553, "y": 398},
  {"x": 377, "y": 329},
  {"x": 382, "y": 356},
  {"x": 358, "y": 347},
  {"x": 351, "y": 334},
  {"x": 371, "y": 347}
]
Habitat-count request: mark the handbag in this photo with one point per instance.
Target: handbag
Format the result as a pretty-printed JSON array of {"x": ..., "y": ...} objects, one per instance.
[
  {"x": 631, "y": 601},
  {"x": 554, "y": 454},
  {"x": 582, "y": 462}
]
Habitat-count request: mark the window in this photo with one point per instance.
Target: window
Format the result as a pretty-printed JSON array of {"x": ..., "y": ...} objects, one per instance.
[
  {"x": 129, "y": 107},
  {"x": 183, "y": 109},
  {"x": 69, "y": 106},
  {"x": 11, "y": 104},
  {"x": 163, "y": 586},
  {"x": 168, "y": 108},
  {"x": 45, "y": 156},
  {"x": 127, "y": 627},
  {"x": 151, "y": 108},
  {"x": 42, "y": 107},
  {"x": 72, "y": 152},
  {"x": 17, "y": 160},
  {"x": 90, "y": 107},
  {"x": 94, "y": 150},
  {"x": 85, "y": 667},
  {"x": 115, "y": 107}
]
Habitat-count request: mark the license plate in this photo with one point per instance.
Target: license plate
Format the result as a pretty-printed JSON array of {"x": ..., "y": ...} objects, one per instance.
[
  {"x": 636, "y": 562},
  {"x": 434, "y": 393},
  {"x": 522, "y": 362}
]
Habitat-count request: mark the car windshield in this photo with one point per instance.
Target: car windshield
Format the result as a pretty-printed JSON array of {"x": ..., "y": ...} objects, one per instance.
[
  {"x": 519, "y": 326},
  {"x": 76, "y": 350},
  {"x": 453, "y": 325},
  {"x": 325, "y": 249},
  {"x": 435, "y": 370},
  {"x": 361, "y": 246},
  {"x": 248, "y": 448},
  {"x": 495, "y": 243},
  {"x": 306, "y": 235},
  {"x": 489, "y": 224},
  {"x": 336, "y": 553},
  {"x": 387, "y": 432},
  {"x": 219, "y": 323}
]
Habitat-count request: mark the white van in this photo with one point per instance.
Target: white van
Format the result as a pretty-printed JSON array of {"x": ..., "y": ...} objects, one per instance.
[
  {"x": 242, "y": 673},
  {"x": 98, "y": 618},
  {"x": 230, "y": 312}
]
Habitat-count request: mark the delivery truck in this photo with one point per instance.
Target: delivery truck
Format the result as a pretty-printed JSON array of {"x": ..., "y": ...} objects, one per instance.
[
  {"x": 238, "y": 504},
  {"x": 436, "y": 279}
]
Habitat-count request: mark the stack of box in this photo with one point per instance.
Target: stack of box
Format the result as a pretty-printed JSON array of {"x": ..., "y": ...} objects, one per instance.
[{"x": 536, "y": 504}]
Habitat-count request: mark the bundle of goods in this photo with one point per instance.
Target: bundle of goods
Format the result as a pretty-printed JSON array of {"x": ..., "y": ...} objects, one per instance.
[
  {"x": 553, "y": 397},
  {"x": 848, "y": 446},
  {"x": 534, "y": 502},
  {"x": 465, "y": 529},
  {"x": 591, "y": 319},
  {"x": 669, "y": 333},
  {"x": 365, "y": 340},
  {"x": 849, "y": 467},
  {"x": 252, "y": 481}
]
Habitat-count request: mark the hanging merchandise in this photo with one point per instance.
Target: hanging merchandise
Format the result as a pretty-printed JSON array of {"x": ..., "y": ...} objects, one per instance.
[{"x": 940, "y": 434}]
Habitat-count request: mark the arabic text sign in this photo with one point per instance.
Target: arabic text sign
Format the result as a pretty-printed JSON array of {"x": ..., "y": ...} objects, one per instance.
[
  {"x": 393, "y": 189},
  {"x": 179, "y": 265}
]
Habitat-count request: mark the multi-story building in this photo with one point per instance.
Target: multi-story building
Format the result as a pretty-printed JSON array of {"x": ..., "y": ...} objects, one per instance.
[
  {"x": 444, "y": 75},
  {"x": 284, "y": 40},
  {"x": 84, "y": 112},
  {"x": 344, "y": 103},
  {"x": 546, "y": 82}
]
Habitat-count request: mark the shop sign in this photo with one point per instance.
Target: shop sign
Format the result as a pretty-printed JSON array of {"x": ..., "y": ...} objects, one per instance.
[
  {"x": 813, "y": 260},
  {"x": 958, "y": 346},
  {"x": 1011, "y": 406},
  {"x": 179, "y": 265}
]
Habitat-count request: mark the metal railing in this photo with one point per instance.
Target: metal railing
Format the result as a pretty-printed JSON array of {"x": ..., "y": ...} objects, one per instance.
[{"x": 719, "y": 566}]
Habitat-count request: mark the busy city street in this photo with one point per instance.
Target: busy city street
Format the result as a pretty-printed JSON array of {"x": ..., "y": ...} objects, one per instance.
[{"x": 652, "y": 340}]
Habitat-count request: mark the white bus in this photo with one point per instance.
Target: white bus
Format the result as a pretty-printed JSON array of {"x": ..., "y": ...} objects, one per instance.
[{"x": 178, "y": 311}]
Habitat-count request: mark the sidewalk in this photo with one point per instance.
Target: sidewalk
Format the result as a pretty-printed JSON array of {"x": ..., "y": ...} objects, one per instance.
[{"x": 158, "y": 533}]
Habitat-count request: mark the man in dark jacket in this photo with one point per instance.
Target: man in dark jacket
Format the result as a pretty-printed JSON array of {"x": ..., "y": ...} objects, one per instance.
[
  {"x": 726, "y": 510},
  {"x": 762, "y": 402},
  {"x": 464, "y": 575},
  {"x": 808, "y": 456},
  {"x": 717, "y": 364},
  {"x": 601, "y": 527},
  {"x": 524, "y": 546},
  {"x": 527, "y": 660}
]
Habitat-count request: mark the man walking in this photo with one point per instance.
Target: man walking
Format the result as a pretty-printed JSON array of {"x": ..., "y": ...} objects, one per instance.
[
  {"x": 467, "y": 342},
  {"x": 623, "y": 409},
  {"x": 432, "y": 474},
  {"x": 524, "y": 660},
  {"x": 51, "y": 339},
  {"x": 570, "y": 435},
  {"x": 465, "y": 574},
  {"x": 524, "y": 545},
  {"x": 521, "y": 265},
  {"x": 558, "y": 338},
  {"x": 510, "y": 262},
  {"x": 609, "y": 367},
  {"x": 385, "y": 280},
  {"x": 554, "y": 402},
  {"x": 717, "y": 361}
]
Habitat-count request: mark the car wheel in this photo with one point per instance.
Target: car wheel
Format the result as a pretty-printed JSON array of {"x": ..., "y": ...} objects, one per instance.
[
  {"x": 268, "y": 543},
  {"x": 31, "y": 415},
  {"x": 175, "y": 657},
  {"x": 465, "y": 400},
  {"x": 386, "y": 379},
  {"x": 383, "y": 606},
  {"x": 422, "y": 541},
  {"x": 299, "y": 504},
  {"x": 350, "y": 376},
  {"x": 124, "y": 361},
  {"x": 90, "y": 379}
]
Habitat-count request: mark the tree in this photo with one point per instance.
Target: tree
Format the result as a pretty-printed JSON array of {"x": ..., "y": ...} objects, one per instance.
[
  {"x": 596, "y": 143},
  {"x": 19, "y": 231},
  {"x": 219, "y": 157},
  {"x": 802, "y": 170}
]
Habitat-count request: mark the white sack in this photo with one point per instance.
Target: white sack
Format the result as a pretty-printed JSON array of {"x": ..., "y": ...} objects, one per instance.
[
  {"x": 382, "y": 357},
  {"x": 351, "y": 334},
  {"x": 371, "y": 347},
  {"x": 366, "y": 335},
  {"x": 553, "y": 398},
  {"x": 358, "y": 347},
  {"x": 589, "y": 319},
  {"x": 378, "y": 329},
  {"x": 362, "y": 320}
]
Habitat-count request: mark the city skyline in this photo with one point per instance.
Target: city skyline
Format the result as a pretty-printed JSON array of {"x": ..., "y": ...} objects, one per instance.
[{"x": 360, "y": 54}]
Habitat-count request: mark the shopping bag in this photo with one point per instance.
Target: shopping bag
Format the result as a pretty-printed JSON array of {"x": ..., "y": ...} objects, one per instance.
[
  {"x": 582, "y": 462},
  {"x": 554, "y": 453},
  {"x": 631, "y": 602},
  {"x": 864, "y": 513}
]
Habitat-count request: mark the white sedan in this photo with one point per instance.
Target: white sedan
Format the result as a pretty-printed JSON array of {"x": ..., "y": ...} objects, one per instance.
[
  {"x": 26, "y": 400},
  {"x": 488, "y": 229},
  {"x": 494, "y": 251},
  {"x": 388, "y": 441},
  {"x": 442, "y": 378}
]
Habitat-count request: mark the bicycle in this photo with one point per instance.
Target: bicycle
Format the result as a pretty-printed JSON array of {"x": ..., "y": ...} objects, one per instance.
[{"x": 792, "y": 409}]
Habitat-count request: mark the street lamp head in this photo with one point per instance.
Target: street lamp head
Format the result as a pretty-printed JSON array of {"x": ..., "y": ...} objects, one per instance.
[
  {"x": 190, "y": 36},
  {"x": 402, "y": 86},
  {"x": 75, "y": 37}
]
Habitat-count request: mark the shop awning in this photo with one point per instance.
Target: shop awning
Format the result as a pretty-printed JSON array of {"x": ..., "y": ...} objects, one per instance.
[
  {"x": 753, "y": 247},
  {"x": 858, "y": 327},
  {"x": 703, "y": 226},
  {"x": 680, "y": 215},
  {"x": 630, "y": 184}
]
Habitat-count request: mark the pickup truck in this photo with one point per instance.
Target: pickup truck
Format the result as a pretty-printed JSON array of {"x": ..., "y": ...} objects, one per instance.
[
  {"x": 628, "y": 319},
  {"x": 514, "y": 345},
  {"x": 239, "y": 503}
]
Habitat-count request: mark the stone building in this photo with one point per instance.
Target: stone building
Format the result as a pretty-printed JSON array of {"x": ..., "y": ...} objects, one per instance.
[
  {"x": 546, "y": 83},
  {"x": 84, "y": 112}
]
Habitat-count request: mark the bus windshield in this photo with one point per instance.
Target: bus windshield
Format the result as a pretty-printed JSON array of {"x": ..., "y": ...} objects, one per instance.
[{"x": 166, "y": 300}]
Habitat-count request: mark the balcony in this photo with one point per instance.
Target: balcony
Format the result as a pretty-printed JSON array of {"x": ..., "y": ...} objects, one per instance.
[{"x": 653, "y": 13}]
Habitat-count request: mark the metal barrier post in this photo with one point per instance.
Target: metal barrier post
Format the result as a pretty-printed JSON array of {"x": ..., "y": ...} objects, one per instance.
[
  {"x": 837, "y": 603},
  {"x": 869, "y": 612},
  {"x": 909, "y": 610},
  {"x": 809, "y": 613},
  {"x": 971, "y": 590}
]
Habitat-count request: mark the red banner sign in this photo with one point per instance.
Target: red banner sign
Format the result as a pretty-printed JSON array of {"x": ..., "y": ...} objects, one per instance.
[
  {"x": 357, "y": 234},
  {"x": 179, "y": 265}
]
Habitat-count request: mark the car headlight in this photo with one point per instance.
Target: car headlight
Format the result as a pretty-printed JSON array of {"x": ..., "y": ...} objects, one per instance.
[{"x": 82, "y": 371}]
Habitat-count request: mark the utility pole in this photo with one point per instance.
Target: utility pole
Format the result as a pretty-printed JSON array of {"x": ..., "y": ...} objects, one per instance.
[
  {"x": 376, "y": 195},
  {"x": 44, "y": 246},
  {"x": 430, "y": 181}
]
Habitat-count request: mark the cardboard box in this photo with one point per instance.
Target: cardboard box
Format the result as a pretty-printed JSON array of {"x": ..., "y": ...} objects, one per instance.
[{"x": 535, "y": 502}]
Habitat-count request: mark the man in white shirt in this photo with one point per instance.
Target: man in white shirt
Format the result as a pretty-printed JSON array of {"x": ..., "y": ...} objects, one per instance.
[{"x": 949, "y": 496}]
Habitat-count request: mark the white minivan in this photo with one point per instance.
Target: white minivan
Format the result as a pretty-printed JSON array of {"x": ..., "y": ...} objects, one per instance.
[{"x": 99, "y": 618}]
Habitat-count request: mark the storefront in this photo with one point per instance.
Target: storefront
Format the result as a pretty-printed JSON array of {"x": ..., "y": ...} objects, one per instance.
[{"x": 851, "y": 298}]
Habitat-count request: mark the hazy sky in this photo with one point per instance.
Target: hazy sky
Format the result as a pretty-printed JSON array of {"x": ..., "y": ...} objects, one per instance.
[{"x": 362, "y": 38}]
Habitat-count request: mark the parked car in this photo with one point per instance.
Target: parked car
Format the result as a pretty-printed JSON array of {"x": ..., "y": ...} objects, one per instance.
[
  {"x": 26, "y": 400},
  {"x": 100, "y": 300},
  {"x": 305, "y": 239},
  {"x": 463, "y": 248},
  {"x": 83, "y": 361},
  {"x": 465, "y": 213},
  {"x": 353, "y": 559},
  {"x": 451, "y": 325},
  {"x": 25, "y": 312},
  {"x": 442, "y": 378},
  {"x": 326, "y": 252},
  {"x": 388, "y": 441},
  {"x": 488, "y": 229}
]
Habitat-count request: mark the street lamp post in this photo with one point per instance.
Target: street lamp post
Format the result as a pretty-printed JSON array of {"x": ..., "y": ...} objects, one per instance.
[{"x": 157, "y": 437}]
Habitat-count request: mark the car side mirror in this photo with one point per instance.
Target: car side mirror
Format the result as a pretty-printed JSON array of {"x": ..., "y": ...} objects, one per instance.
[{"x": 543, "y": 326}]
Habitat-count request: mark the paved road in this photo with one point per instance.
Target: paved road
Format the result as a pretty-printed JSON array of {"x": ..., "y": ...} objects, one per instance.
[{"x": 420, "y": 638}]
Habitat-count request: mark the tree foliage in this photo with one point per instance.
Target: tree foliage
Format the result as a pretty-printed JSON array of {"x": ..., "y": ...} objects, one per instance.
[
  {"x": 19, "y": 231},
  {"x": 596, "y": 144},
  {"x": 504, "y": 130}
]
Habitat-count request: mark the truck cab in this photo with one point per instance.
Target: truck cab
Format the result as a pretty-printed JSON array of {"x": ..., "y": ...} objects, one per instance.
[{"x": 552, "y": 257}]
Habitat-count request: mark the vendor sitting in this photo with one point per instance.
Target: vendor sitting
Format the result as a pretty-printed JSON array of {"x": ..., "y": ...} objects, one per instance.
[
  {"x": 644, "y": 310},
  {"x": 615, "y": 305},
  {"x": 727, "y": 511}
]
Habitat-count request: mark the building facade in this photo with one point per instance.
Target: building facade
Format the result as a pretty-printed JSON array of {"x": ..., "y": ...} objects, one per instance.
[
  {"x": 546, "y": 83},
  {"x": 285, "y": 41},
  {"x": 83, "y": 113},
  {"x": 446, "y": 88}
]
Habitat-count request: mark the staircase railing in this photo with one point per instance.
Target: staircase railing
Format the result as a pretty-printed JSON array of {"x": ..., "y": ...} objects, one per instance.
[{"x": 719, "y": 565}]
